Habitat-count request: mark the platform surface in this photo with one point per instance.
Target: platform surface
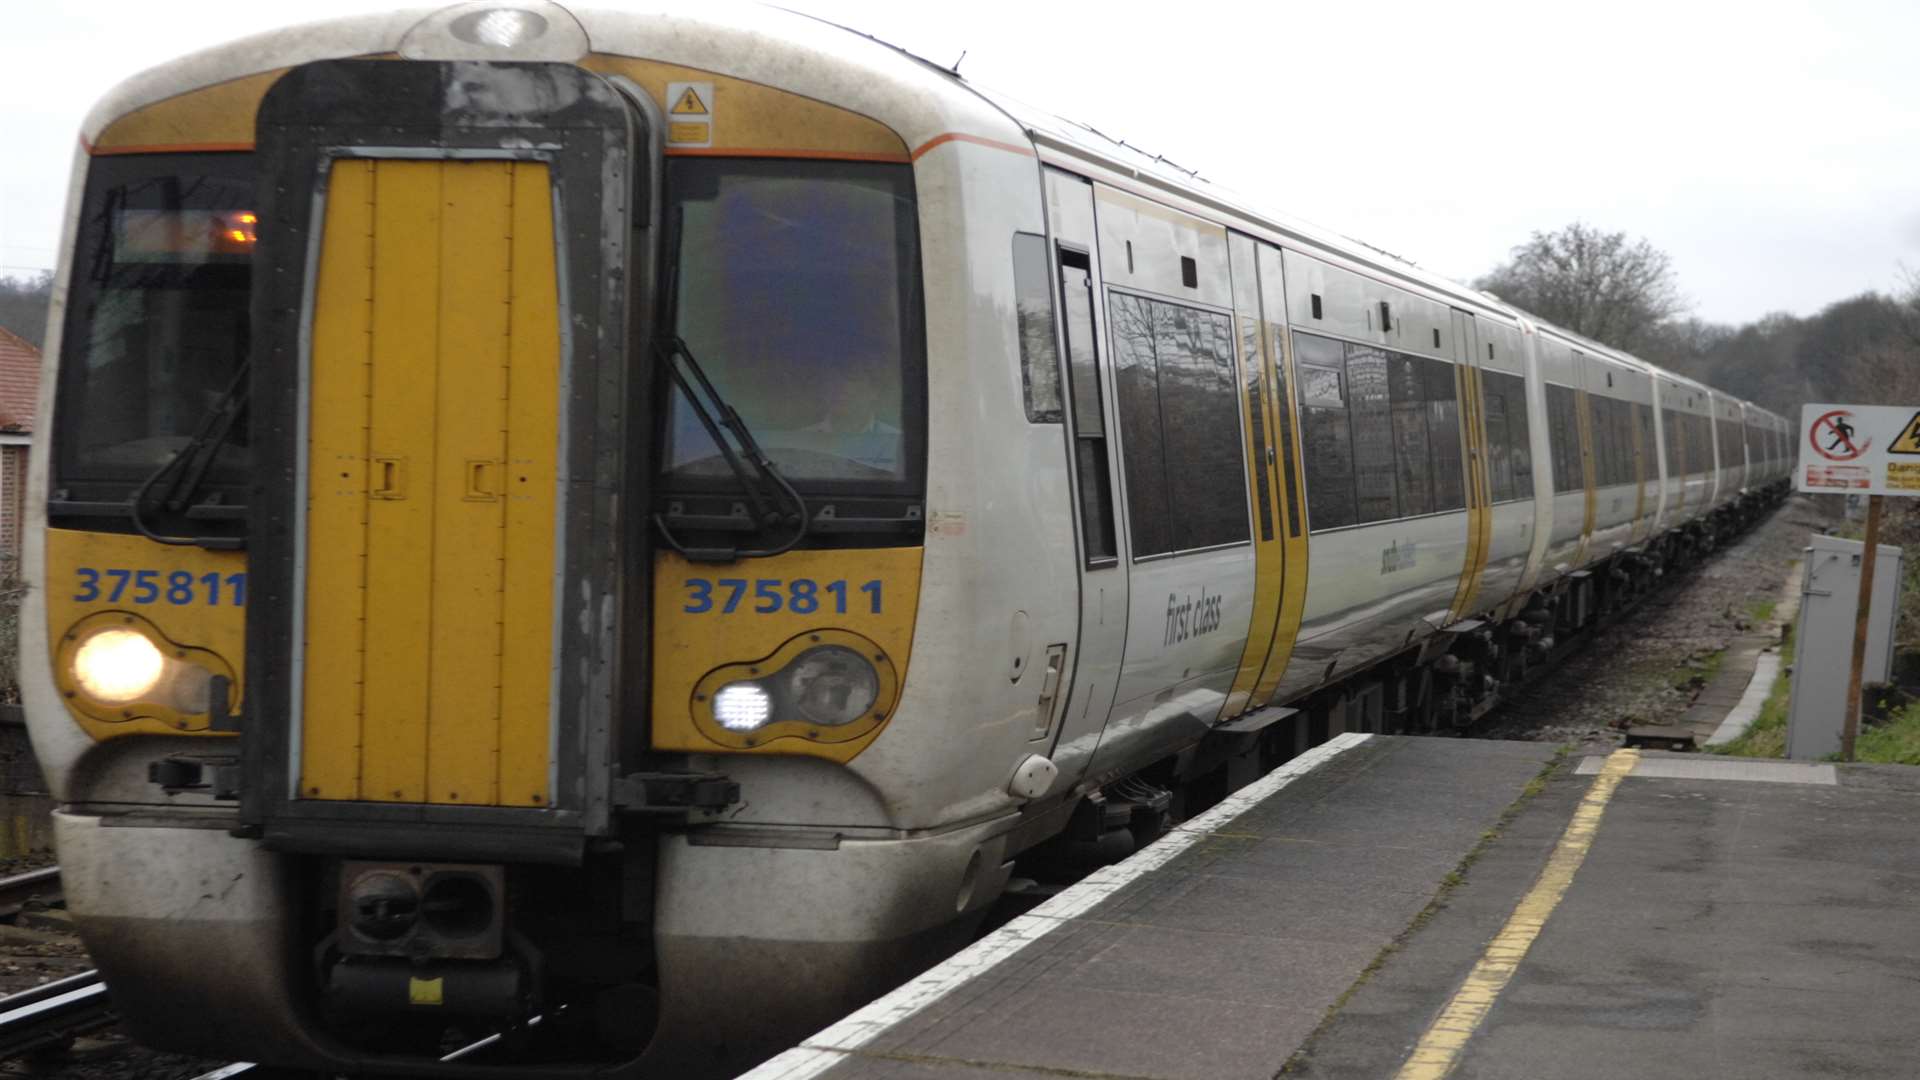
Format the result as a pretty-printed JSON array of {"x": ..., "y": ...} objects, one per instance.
[{"x": 1724, "y": 920}]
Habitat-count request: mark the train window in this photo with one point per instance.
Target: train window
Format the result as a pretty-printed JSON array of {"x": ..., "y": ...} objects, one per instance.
[
  {"x": 157, "y": 319},
  {"x": 1519, "y": 436},
  {"x": 1033, "y": 325},
  {"x": 1179, "y": 400},
  {"x": 1499, "y": 447},
  {"x": 1671, "y": 449},
  {"x": 1320, "y": 367},
  {"x": 1443, "y": 435},
  {"x": 1563, "y": 438},
  {"x": 1370, "y": 419},
  {"x": 1089, "y": 419},
  {"x": 829, "y": 370},
  {"x": 1253, "y": 364},
  {"x": 1412, "y": 460},
  {"x": 1189, "y": 272}
]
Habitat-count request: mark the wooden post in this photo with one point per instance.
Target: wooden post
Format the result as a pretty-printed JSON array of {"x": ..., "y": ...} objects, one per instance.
[{"x": 1852, "y": 729}]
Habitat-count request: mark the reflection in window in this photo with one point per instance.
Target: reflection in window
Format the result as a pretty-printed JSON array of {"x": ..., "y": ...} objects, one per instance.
[
  {"x": 798, "y": 289},
  {"x": 1033, "y": 325},
  {"x": 1180, "y": 424},
  {"x": 157, "y": 315}
]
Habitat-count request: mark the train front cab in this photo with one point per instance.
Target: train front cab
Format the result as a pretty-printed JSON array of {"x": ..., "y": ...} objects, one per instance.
[{"x": 392, "y": 770}]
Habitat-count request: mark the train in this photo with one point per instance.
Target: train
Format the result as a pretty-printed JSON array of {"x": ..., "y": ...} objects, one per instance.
[{"x": 618, "y": 527}]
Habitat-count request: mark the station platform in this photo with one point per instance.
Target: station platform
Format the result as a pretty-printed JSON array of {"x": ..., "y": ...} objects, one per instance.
[{"x": 1419, "y": 908}]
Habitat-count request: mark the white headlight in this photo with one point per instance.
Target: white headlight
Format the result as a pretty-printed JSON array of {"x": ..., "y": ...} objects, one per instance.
[
  {"x": 832, "y": 685},
  {"x": 118, "y": 666},
  {"x": 742, "y": 706}
]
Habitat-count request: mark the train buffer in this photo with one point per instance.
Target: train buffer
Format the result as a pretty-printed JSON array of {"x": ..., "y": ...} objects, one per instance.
[{"x": 1422, "y": 908}]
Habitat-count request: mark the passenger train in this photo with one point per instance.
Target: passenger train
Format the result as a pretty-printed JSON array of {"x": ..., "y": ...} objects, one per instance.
[{"x": 634, "y": 519}]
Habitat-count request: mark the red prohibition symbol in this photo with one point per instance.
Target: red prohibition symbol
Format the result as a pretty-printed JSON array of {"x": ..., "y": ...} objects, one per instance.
[{"x": 1834, "y": 439}]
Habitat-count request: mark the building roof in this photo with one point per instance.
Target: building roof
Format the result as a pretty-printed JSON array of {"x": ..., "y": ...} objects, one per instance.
[{"x": 19, "y": 383}]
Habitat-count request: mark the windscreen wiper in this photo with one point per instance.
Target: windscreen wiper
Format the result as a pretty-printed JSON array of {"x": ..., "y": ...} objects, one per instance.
[
  {"x": 186, "y": 470},
  {"x": 756, "y": 472}
]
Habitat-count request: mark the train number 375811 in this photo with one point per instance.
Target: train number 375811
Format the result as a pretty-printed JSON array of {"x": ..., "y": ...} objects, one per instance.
[
  {"x": 802, "y": 596},
  {"x": 178, "y": 587}
]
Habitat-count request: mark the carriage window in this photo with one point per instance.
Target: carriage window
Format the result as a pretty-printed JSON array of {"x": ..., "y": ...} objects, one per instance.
[
  {"x": 1180, "y": 424},
  {"x": 1089, "y": 418},
  {"x": 1370, "y": 416},
  {"x": 1499, "y": 447},
  {"x": 1563, "y": 438},
  {"x": 1033, "y": 325}
]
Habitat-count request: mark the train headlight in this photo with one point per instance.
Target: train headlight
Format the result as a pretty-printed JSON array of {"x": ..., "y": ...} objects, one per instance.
[
  {"x": 825, "y": 686},
  {"x": 116, "y": 666},
  {"x": 742, "y": 706},
  {"x": 831, "y": 685}
]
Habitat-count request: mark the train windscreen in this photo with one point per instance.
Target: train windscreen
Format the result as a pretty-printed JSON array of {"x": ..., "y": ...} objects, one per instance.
[
  {"x": 157, "y": 320},
  {"x": 797, "y": 288}
]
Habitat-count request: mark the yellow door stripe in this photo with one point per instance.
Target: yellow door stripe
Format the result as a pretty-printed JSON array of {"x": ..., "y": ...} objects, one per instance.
[
  {"x": 1268, "y": 569},
  {"x": 1440, "y": 1048},
  {"x": 1293, "y": 577}
]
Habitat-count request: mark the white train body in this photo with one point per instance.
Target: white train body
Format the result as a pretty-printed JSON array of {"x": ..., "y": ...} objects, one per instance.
[{"x": 1138, "y": 548}]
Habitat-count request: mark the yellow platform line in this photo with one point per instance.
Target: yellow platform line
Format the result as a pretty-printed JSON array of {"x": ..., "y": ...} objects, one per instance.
[{"x": 1439, "y": 1049}]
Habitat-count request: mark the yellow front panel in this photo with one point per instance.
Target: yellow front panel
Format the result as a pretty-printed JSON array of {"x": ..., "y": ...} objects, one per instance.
[
  {"x": 195, "y": 598},
  {"x": 707, "y": 617},
  {"x": 433, "y": 480}
]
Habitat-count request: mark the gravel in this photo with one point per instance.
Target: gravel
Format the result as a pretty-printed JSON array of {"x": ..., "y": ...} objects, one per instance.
[{"x": 1648, "y": 667}]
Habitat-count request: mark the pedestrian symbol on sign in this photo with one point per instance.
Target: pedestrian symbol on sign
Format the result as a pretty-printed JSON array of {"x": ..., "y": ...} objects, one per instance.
[{"x": 1833, "y": 437}]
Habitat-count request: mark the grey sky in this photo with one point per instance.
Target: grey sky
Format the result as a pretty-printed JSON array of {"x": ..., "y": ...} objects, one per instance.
[{"x": 1772, "y": 148}]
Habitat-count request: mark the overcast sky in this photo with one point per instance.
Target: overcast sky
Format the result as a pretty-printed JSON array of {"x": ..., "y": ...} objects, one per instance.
[{"x": 1772, "y": 148}]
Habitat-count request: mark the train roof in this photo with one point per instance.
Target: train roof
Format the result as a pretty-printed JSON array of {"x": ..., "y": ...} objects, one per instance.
[{"x": 826, "y": 55}]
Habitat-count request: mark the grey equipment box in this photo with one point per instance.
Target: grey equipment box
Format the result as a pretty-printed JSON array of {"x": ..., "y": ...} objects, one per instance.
[{"x": 1823, "y": 639}]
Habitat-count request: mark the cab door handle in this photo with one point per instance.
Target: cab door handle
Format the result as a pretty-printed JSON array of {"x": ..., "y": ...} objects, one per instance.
[{"x": 1049, "y": 690}]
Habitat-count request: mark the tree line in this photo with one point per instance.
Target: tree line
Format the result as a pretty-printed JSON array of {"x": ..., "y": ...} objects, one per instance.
[
  {"x": 1623, "y": 292},
  {"x": 23, "y": 305}
]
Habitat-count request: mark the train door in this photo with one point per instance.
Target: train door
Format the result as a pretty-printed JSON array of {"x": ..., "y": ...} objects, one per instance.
[
  {"x": 1254, "y": 349},
  {"x": 1094, "y": 464},
  {"x": 1479, "y": 492},
  {"x": 1167, "y": 298},
  {"x": 429, "y": 560},
  {"x": 1285, "y": 435}
]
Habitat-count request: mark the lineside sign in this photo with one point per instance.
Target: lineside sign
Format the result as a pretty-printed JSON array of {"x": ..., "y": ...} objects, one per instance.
[{"x": 1859, "y": 450}]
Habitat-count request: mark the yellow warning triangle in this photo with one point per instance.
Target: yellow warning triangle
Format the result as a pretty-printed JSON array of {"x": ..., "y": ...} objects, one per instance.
[
  {"x": 1908, "y": 441},
  {"x": 689, "y": 104}
]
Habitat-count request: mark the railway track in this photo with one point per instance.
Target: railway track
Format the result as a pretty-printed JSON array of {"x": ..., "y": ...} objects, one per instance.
[{"x": 51, "y": 1014}]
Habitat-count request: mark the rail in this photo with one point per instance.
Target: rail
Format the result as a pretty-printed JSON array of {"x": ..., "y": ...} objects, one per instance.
[{"x": 52, "y": 1014}]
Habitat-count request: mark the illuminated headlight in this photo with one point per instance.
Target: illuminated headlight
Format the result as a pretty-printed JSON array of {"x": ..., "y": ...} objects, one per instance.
[
  {"x": 831, "y": 685},
  {"x": 118, "y": 666},
  {"x": 742, "y": 706}
]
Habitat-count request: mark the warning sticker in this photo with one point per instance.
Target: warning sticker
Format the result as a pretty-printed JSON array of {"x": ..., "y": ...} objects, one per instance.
[
  {"x": 688, "y": 101},
  {"x": 690, "y": 116},
  {"x": 1903, "y": 475},
  {"x": 1908, "y": 441}
]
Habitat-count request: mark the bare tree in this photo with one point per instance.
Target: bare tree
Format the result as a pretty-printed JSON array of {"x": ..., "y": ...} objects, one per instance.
[
  {"x": 23, "y": 305},
  {"x": 1613, "y": 289}
]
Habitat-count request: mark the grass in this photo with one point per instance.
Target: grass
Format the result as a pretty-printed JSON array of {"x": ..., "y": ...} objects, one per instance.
[
  {"x": 1768, "y": 735},
  {"x": 1697, "y": 672},
  {"x": 1761, "y": 610},
  {"x": 1893, "y": 741}
]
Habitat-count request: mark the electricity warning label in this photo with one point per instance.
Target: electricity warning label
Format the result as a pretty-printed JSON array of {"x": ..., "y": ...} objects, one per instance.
[
  {"x": 690, "y": 114},
  {"x": 1908, "y": 441}
]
